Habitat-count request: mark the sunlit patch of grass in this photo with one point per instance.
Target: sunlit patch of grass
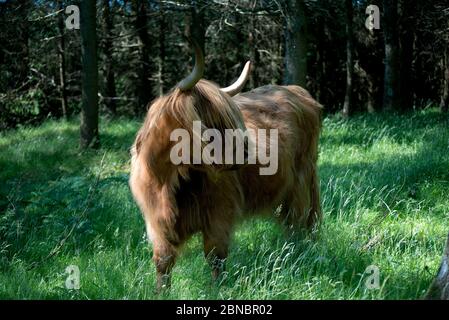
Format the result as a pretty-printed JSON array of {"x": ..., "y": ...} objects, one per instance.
[{"x": 384, "y": 181}]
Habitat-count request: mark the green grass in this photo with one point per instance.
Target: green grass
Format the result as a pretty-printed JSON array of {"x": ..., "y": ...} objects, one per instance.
[{"x": 384, "y": 183}]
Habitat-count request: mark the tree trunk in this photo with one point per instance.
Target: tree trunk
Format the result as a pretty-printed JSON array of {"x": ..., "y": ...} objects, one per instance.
[
  {"x": 195, "y": 25},
  {"x": 194, "y": 28},
  {"x": 321, "y": 60},
  {"x": 406, "y": 53},
  {"x": 143, "y": 86},
  {"x": 439, "y": 289},
  {"x": 239, "y": 36},
  {"x": 61, "y": 55},
  {"x": 161, "y": 60},
  {"x": 295, "y": 43},
  {"x": 254, "y": 53},
  {"x": 371, "y": 95},
  {"x": 23, "y": 39},
  {"x": 252, "y": 57},
  {"x": 347, "y": 106},
  {"x": 391, "y": 73},
  {"x": 444, "y": 104},
  {"x": 109, "y": 90},
  {"x": 89, "y": 112}
]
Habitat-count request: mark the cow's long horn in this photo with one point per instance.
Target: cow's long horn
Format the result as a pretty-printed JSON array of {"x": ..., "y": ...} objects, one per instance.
[
  {"x": 237, "y": 86},
  {"x": 198, "y": 70}
]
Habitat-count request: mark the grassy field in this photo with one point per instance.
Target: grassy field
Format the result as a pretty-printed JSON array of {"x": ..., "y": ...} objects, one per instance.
[{"x": 385, "y": 197}]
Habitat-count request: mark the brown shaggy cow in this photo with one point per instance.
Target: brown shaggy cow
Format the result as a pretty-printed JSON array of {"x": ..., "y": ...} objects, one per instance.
[{"x": 179, "y": 200}]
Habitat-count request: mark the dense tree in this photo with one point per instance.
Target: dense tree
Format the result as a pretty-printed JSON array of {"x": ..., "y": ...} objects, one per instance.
[
  {"x": 195, "y": 26},
  {"x": 161, "y": 57},
  {"x": 62, "y": 64},
  {"x": 144, "y": 53},
  {"x": 391, "y": 98},
  {"x": 296, "y": 46},
  {"x": 143, "y": 87},
  {"x": 443, "y": 37},
  {"x": 252, "y": 44},
  {"x": 108, "y": 65},
  {"x": 406, "y": 41},
  {"x": 89, "y": 112},
  {"x": 444, "y": 104},
  {"x": 347, "y": 106}
]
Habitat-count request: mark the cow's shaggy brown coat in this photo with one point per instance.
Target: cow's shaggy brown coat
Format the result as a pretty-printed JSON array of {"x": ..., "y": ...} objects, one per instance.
[{"x": 179, "y": 200}]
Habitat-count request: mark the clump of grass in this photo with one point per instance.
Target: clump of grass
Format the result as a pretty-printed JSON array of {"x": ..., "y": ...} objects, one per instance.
[{"x": 384, "y": 183}]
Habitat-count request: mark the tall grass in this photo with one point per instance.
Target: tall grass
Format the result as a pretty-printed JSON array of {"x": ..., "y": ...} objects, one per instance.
[{"x": 384, "y": 185}]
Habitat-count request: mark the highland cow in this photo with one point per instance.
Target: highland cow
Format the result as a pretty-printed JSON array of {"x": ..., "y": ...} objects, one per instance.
[{"x": 179, "y": 200}]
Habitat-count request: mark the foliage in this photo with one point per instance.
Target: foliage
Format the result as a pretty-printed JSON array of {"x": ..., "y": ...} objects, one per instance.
[{"x": 234, "y": 30}]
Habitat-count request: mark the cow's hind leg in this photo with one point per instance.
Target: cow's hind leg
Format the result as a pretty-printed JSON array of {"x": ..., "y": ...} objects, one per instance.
[
  {"x": 301, "y": 207},
  {"x": 314, "y": 215}
]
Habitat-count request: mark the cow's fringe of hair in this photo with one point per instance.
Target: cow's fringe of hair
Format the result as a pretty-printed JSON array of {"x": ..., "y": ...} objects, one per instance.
[{"x": 204, "y": 102}]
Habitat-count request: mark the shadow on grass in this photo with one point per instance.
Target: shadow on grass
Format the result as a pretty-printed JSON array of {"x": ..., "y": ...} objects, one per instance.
[
  {"x": 56, "y": 156},
  {"x": 365, "y": 129}
]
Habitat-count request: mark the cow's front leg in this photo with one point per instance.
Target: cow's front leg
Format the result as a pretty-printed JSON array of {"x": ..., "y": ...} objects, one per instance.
[
  {"x": 164, "y": 257},
  {"x": 216, "y": 244}
]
